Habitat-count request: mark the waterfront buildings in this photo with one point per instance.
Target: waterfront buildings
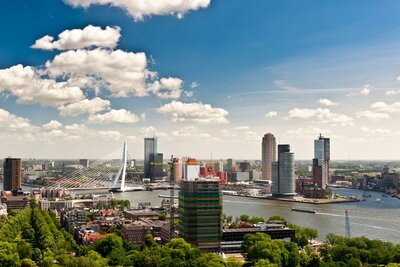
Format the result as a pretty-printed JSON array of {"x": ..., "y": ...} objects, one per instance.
[
  {"x": 200, "y": 213},
  {"x": 321, "y": 162},
  {"x": 283, "y": 181},
  {"x": 268, "y": 153},
  {"x": 12, "y": 175}
]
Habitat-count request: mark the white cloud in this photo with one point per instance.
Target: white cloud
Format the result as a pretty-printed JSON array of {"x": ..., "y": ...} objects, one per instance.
[
  {"x": 271, "y": 114},
  {"x": 12, "y": 122},
  {"x": 167, "y": 88},
  {"x": 115, "y": 135},
  {"x": 194, "y": 85},
  {"x": 227, "y": 133},
  {"x": 251, "y": 136},
  {"x": 392, "y": 92},
  {"x": 151, "y": 131},
  {"x": 26, "y": 84},
  {"x": 374, "y": 116},
  {"x": 190, "y": 132},
  {"x": 90, "y": 36},
  {"x": 123, "y": 73},
  {"x": 310, "y": 132},
  {"x": 194, "y": 112},
  {"x": 114, "y": 116},
  {"x": 366, "y": 90},
  {"x": 52, "y": 125},
  {"x": 244, "y": 127},
  {"x": 140, "y": 9},
  {"x": 327, "y": 102},
  {"x": 322, "y": 115},
  {"x": 91, "y": 106},
  {"x": 389, "y": 108}
]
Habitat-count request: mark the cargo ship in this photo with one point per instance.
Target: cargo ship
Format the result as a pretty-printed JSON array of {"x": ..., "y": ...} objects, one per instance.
[{"x": 304, "y": 210}]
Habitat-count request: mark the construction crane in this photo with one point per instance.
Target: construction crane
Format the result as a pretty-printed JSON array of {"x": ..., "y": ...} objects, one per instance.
[
  {"x": 347, "y": 224},
  {"x": 172, "y": 199},
  {"x": 170, "y": 170}
]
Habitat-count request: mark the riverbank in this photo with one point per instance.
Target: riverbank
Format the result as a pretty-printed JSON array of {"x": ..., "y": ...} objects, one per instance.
[{"x": 315, "y": 201}]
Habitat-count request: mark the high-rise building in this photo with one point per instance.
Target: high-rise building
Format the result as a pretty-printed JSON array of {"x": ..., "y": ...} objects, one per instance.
[
  {"x": 200, "y": 213},
  {"x": 283, "y": 181},
  {"x": 12, "y": 175},
  {"x": 150, "y": 147},
  {"x": 84, "y": 163},
  {"x": 191, "y": 169},
  {"x": 268, "y": 153},
  {"x": 177, "y": 170},
  {"x": 229, "y": 165},
  {"x": 156, "y": 166},
  {"x": 321, "y": 162}
]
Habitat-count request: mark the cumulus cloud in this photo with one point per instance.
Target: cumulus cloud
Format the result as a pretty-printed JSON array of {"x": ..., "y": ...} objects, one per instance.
[
  {"x": 308, "y": 132},
  {"x": 194, "y": 85},
  {"x": 322, "y": 115},
  {"x": 12, "y": 122},
  {"x": 327, "y": 102},
  {"x": 366, "y": 90},
  {"x": 271, "y": 114},
  {"x": 243, "y": 127},
  {"x": 115, "y": 135},
  {"x": 124, "y": 73},
  {"x": 194, "y": 112},
  {"x": 373, "y": 116},
  {"x": 114, "y": 116},
  {"x": 388, "y": 108},
  {"x": 167, "y": 88},
  {"x": 140, "y": 9},
  {"x": 90, "y": 36},
  {"x": 393, "y": 92},
  {"x": 91, "y": 106},
  {"x": 29, "y": 88},
  {"x": 52, "y": 125}
]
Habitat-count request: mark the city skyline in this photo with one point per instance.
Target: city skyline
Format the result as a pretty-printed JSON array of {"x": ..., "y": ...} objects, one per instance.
[{"x": 206, "y": 78}]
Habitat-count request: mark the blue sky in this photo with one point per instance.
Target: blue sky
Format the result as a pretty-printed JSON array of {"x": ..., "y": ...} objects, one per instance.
[{"x": 223, "y": 74}]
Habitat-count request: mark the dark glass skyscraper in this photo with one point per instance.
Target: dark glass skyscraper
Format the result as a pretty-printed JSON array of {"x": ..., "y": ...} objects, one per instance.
[
  {"x": 200, "y": 213},
  {"x": 150, "y": 148},
  {"x": 12, "y": 175},
  {"x": 283, "y": 181}
]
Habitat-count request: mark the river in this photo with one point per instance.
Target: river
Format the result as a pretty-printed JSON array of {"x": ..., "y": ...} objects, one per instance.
[{"x": 376, "y": 218}]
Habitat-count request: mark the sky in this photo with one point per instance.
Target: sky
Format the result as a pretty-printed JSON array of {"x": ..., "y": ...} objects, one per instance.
[{"x": 209, "y": 78}]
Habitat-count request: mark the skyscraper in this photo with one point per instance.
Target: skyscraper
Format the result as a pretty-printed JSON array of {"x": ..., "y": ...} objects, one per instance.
[
  {"x": 200, "y": 213},
  {"x": 283, "y": 181},
  {"x": 12, "y": 175},
  {"x": 150, "y": 148},
  {"x": 268, "y": 153},
  {"x": 321, "y": 162}
]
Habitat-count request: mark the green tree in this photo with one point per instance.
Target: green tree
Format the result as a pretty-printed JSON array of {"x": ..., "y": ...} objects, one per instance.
[{"x": 106, "y": 245}]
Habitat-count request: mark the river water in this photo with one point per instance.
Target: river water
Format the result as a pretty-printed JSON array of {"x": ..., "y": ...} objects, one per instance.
[{"x": 376, "y": 218}]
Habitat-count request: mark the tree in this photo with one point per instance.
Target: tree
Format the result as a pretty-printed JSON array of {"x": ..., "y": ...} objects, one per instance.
[
  {"x": 106, "y": 245},
  {"x": 24, "y": 250}
]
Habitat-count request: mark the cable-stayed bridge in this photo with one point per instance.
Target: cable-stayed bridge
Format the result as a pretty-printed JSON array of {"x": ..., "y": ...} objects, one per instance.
[{"x": 102, "y": 174}]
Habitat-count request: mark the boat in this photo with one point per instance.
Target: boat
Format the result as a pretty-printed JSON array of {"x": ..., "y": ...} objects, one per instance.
[{"x": 304, "y": 210}]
